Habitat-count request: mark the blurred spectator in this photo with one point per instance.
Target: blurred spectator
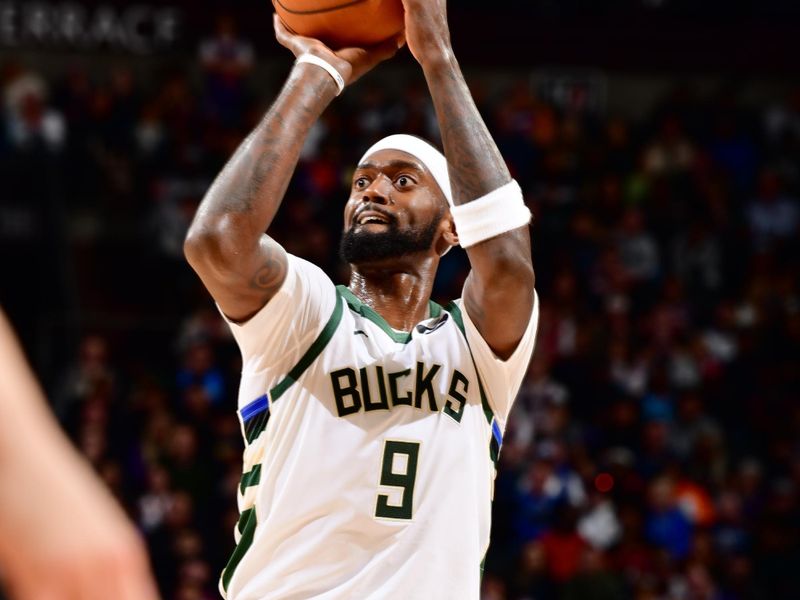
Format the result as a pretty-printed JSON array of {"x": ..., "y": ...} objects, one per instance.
[
  {"x": 697, "y": 259},
  {"x": 667, "y": 526},
  {"x": 671, "y": 152},
  {"x": 155, "y": 502},
  {"x": 772, "y": 215},
  {"x": 29, "y": 120},
  {"x": 563, "y": 547},
  {"x": 594, "y": 580},
  {"x": 638, "y": 250},
  {"x": 199, "y": 369},
  {"x": 629, "y": 374},
  {"x": 541, "y": 405},
  {"x": 599, "y": 524},
  {"x": 226, "y": 60}
]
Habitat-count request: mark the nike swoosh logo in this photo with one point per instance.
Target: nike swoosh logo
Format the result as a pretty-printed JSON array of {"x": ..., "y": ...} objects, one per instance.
[{"x": 426, "y": 329}]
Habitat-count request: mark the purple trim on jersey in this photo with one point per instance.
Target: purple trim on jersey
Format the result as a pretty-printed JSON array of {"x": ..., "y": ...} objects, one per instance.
[{"x": 256, "y": 407}]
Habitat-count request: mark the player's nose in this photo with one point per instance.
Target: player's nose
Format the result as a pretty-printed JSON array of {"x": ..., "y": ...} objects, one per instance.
[{"x": 378, "y": 191}]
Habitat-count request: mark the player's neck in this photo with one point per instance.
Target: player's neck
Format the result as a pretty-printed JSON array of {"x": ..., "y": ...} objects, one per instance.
[{"x": 399, "y": 294}]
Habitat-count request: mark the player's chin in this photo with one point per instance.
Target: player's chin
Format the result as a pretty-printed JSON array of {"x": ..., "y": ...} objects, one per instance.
[
  {"x": 371, "y": 243},
  {"x": 370, "y": 232}
]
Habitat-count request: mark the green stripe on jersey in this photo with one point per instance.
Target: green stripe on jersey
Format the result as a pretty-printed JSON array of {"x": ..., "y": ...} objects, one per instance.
[
  {"x": 260, "y": 422},
  {"x": 434, "y": 310},
  {"x": 455, "y": 312},
  {"x": 254, "y": 428},
  {"x": 494, "y": 447},
  {"x": 251, "y": 478},
  {"x": 247, "y": 527},
  {"x": 400, "y": 337},
  {"x": 311, "y": 354}
]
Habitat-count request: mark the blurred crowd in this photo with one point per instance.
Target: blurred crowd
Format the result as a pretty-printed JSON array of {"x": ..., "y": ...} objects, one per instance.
[{"x": 654, "y": 449}]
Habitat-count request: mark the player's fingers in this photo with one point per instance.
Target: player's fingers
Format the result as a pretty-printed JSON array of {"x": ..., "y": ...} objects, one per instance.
[
  {"x": 283, "y": 35},
  {"x": 385, "y": 50}
]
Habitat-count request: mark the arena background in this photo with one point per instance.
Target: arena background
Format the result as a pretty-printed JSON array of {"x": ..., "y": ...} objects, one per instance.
[{"x": 654, "y": 451}]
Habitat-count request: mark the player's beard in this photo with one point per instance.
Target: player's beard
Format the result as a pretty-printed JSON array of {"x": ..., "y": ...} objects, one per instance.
[{"x": 359, "y": 246}]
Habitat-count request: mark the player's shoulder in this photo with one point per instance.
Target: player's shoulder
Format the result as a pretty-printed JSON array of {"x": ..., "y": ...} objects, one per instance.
[
  {"x": 304, "y": 287},
  {"x": 298, "y": 311},
  {"x": 302, "y": 265},
  {"x": 307, "y": 276}
]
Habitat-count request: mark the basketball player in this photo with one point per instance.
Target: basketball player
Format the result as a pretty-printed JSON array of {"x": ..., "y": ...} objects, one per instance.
[
  {"x": 62, "y": 537},
  {"x": 373, "y": 417}
]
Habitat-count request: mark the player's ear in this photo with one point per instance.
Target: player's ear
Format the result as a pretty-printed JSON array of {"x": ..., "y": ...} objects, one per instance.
[{"x": 448, "y": 236}]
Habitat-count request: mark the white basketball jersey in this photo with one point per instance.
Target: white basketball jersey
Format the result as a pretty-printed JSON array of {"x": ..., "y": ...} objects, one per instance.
[{"x": 370, "y": 453}]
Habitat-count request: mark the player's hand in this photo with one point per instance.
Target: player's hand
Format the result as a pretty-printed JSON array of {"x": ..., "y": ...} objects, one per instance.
[
  {"x": 427, "y": 31},
  {"x": 351, "y": 63}
]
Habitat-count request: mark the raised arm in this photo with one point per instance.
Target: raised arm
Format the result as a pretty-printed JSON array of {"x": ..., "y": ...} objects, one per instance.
[
  {"x": 241, "y": 266},
  {"x": 498, "y": 294}
]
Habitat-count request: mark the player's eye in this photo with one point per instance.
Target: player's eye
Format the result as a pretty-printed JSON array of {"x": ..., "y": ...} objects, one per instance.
[
  {"x": 404, "y": 181},
  {"x": 361, "y": 183}
]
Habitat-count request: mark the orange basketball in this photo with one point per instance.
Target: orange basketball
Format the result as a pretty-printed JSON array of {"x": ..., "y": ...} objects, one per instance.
[{"x": 343, "y": 23}]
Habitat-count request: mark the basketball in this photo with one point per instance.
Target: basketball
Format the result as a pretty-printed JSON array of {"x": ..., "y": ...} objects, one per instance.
[{"x": 343, "y": 23}]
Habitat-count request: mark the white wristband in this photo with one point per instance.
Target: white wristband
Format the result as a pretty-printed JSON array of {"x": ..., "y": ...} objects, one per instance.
[
  {"x": 495, "y": 213},
  {"x": 324, "y": 64}
]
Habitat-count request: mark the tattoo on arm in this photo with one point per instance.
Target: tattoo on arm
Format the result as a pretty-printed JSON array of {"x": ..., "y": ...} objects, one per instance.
[
  {"x": 270, "y": 275},
  {"x": 476, "y": 166},
  {"x": 256, "y": 177},
  {"x": 241, "y": 266},
  {"x": 498, "y": 291}
]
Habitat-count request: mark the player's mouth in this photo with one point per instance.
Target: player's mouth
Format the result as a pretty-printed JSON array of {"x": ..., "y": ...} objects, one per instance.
[{"x": 366, "y": 217}]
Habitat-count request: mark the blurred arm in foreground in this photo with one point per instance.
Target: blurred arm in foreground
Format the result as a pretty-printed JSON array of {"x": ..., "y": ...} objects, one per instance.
[{"x": 62, "y": 537}]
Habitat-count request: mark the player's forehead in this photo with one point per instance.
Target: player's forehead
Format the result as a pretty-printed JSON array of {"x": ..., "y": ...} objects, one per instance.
[{"x": 392, "y": 160}]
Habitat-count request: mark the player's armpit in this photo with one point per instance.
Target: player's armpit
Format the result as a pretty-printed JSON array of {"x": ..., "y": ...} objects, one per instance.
[
  {"x": 240, "y": 280},
  {"x": 502, "y": 376}
]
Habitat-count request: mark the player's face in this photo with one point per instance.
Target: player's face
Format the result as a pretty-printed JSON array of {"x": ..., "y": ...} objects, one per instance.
[{"x": 396, "y": 208}]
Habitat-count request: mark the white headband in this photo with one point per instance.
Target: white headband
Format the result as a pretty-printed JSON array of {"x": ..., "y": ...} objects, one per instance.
[
  {"x": 495, "y": 213},
  {"x": 434, "y": 160}
]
